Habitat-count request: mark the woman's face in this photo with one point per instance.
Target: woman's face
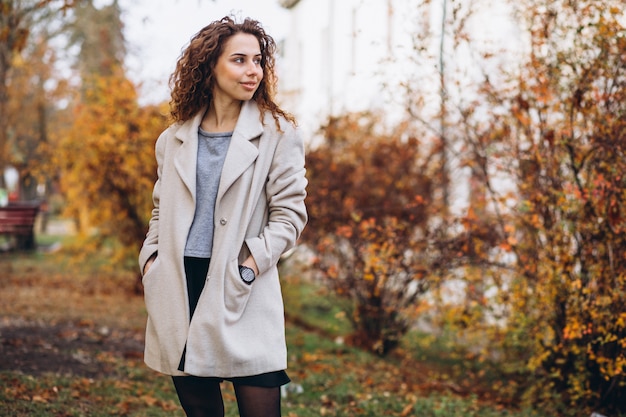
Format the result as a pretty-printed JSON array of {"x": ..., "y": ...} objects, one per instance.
[{"x": 238, "y": 71}]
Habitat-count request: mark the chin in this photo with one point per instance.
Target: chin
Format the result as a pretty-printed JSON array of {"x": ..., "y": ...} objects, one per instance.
[{"x": 247, "y": 97}]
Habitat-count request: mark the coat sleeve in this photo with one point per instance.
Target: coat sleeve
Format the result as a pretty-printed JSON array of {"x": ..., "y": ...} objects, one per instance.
[
  {"x": 150, "y": 244},
  {"x": 286, "y": 191}
]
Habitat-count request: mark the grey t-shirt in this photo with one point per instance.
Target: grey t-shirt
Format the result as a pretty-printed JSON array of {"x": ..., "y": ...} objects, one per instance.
[{"x": 212, "y": 148}]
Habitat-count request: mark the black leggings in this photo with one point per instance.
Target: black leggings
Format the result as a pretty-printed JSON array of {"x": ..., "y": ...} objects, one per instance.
[{"x": 202, "y": 397}]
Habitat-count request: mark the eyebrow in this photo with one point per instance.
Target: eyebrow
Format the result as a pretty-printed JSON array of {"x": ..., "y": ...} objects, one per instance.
[{"x": 243, "y": 54}]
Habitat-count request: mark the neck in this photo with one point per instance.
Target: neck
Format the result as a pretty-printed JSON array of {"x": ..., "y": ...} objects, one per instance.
[{"x": 221, "y": 116}]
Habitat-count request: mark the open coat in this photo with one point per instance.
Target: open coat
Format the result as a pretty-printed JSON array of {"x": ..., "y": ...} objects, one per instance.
[{"x": 237, "y": 329}]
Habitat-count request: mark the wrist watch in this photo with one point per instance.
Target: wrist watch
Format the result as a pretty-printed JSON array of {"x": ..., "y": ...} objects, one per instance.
[{"x": 246, "y": 274}]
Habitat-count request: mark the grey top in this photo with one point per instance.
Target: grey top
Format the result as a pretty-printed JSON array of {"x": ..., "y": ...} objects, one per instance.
[{"x": 212, "y": 148}]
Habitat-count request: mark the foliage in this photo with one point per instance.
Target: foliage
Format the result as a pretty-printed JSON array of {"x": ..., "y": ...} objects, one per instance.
[
  {"x": 568, "y": 132},
  {"x": 32, "y": 113},
  {"x": 17, "y": 20},
  {"x": 370, "y": 202},
  {"x": 107, "y": 188},
  {"x": 97, "y": 143},
  {"x": 107, "y": 165},
  {"x": 556, "y": 131},
  {"x": 531, "y": 276}
]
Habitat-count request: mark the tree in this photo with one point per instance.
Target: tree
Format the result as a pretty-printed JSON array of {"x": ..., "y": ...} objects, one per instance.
[
  {"x": 370, "y": 203},
  {"x": 543, "y": 281},
  {"x": 32, "y": 111},
  {"x": 107, "y": 165},
  {"x": 98, "y": 32},
  {"x": 17, "y": 19},
  {"x": 569, "y": 136},
  {"x": 105, "y": 157},
  {"x": 556, "y": 131}
]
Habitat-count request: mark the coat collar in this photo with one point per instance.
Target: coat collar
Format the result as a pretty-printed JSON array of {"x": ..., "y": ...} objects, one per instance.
[
  {"x": 249, "y": 124},
  {"x": 241, "y": 153}
]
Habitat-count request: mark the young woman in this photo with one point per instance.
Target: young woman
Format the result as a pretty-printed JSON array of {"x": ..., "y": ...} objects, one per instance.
[{"x": 228, "y": 202}]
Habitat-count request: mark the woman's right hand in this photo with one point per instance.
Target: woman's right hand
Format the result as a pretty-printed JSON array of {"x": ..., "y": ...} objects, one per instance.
[{"x": 148, "y": 264}]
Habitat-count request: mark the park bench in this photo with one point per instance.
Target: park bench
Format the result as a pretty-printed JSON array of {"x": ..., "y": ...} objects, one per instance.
[{"x": 17, "y": 221}]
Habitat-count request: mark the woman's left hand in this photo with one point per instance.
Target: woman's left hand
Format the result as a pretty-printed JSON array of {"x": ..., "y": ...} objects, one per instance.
[{"x": 251, "y": 263}]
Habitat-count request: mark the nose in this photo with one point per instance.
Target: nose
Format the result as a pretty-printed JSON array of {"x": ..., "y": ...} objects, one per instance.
[{"x": 253, "y": 68}]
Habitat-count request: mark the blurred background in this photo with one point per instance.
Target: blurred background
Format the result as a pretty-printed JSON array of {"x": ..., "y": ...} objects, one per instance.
[{"x": 466, "y": 190}]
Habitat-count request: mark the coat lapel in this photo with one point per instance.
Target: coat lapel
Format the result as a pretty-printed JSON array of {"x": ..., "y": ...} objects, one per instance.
[
  {"x": 186, "y": 156},
  {"x": 241, "y": 153}
]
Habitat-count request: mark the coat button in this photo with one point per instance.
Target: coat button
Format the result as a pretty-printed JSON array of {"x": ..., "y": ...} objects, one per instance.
[{"x": 223, "y": 221}]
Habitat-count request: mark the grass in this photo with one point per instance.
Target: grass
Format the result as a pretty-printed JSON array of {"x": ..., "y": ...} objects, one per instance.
[{"x": 329, "y": 378}]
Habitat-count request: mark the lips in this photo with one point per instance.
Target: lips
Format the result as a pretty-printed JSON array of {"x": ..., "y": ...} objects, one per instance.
[{"x": 249, "y": 86}]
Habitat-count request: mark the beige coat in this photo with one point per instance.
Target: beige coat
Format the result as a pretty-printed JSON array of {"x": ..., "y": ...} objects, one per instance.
[{"x": 237, "y": 329}]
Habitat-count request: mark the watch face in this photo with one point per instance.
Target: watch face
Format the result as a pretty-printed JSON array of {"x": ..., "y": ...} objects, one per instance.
[{"x": 247, "y": 274}]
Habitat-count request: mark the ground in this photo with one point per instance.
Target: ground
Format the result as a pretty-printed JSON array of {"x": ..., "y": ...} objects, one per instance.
[
  {"x": 60, "y": 317},
  {"x": 72, "y": 336},
  {"x": 76, "y": 349}
]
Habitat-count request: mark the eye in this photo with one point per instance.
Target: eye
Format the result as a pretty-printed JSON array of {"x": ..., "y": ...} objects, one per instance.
[
  {"x": 257, "y": 61},
  {"x": 238, "y": 60}
]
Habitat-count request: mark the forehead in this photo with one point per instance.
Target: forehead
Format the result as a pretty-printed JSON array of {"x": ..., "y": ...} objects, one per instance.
[{"x": 242, "y": 43}]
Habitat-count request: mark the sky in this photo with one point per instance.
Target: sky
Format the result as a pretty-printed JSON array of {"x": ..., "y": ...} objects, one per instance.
[{"x": 157, "y": 30}]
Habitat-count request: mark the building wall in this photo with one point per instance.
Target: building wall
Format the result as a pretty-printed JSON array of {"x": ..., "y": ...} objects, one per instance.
[
  {"x": 354, "y": 55},
  {"x": 336, "y": 57},
  {"x": 351, "y": 55}
]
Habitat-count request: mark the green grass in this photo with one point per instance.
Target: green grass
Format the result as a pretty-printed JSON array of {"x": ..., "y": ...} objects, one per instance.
[
  {"x": 335, "y": 381},
  {"x": 143, "y": 393},
  {"x": 316, "y": 306},
  {"x": 54, "y": 395},
  {"x": 329, "y": 378}
]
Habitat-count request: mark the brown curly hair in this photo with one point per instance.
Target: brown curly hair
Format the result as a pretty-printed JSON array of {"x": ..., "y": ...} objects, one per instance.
[{"x": 193, "y": 79}]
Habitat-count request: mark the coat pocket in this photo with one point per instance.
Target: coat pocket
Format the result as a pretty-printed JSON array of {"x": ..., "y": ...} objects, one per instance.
[
  {"x": 151, "y": 271},
  {"x": 164, "y": 301},
  {"x": 236, "y": 292}
]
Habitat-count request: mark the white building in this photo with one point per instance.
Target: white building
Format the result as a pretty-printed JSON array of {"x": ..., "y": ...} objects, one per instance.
[
  {"x": 352, "y": 55},
  {"x": 333, "y": 56}
]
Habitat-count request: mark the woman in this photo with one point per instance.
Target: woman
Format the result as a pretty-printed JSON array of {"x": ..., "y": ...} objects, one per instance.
[{"x": 228, "y": 202}]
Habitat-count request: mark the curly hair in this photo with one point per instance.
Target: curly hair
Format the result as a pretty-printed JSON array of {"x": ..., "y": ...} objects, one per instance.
[{"x": 193, "y": 79}]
